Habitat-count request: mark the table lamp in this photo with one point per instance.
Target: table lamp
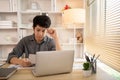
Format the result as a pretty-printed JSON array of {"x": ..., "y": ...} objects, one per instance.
[{"x": 74, "y": 16}]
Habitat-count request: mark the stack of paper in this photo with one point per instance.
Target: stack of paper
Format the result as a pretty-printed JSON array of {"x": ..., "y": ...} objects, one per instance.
[{"x": 6, "y": 24}]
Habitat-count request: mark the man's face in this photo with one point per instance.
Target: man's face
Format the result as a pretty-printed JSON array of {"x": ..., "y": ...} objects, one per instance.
[{"x": 39, "y": 32}]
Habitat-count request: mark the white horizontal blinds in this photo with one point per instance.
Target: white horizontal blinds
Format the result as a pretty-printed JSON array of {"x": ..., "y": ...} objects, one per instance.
[
  {"x": 112, "y": 34},
  {"x": 105, "y": 37},
  {"x": 94, "y": 38}
]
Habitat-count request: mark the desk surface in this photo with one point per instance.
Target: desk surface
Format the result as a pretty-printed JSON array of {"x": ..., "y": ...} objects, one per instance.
[{"x": 76, "y": 74}]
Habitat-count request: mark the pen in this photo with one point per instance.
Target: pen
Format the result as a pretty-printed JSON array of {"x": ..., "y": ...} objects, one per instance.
[
  {"x": 93, "y": 56},
  {"x": 87, "y": 58},
  {"x": 96, "y": 58}
]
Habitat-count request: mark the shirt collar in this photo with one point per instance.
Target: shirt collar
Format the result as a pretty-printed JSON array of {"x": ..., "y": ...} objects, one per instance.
[{"x": 32, "y": 38}]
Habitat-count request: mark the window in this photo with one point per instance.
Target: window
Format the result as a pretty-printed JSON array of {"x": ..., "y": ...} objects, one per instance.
[{"x": 105, "y": 39}]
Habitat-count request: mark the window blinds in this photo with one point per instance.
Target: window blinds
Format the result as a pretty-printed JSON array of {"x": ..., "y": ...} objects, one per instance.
[{"x": 106, "y": 41}]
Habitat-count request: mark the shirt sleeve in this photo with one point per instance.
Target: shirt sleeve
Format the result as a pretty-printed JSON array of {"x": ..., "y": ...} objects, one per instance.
[
  {"x": 52, "y": 46},
  {"x": 17, "y": 51}
]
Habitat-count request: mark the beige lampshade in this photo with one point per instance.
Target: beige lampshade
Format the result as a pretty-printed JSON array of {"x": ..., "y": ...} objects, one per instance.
[{"x": 75, "y": 15}]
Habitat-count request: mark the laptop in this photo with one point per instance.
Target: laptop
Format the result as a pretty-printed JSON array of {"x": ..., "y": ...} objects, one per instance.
[
  {"x": 5, "y": 73},
  {"x": 53, "y": 62}
]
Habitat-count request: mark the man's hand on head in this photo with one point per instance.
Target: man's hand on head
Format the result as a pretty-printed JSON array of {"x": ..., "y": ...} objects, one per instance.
[{"x": 52, "y": 33}]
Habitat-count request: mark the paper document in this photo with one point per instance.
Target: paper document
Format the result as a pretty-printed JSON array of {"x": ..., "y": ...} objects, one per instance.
[
  {"x": 32, "y": 58},
  {"x": 20, "y": 67},
  {"x": 2, "y": 63}
]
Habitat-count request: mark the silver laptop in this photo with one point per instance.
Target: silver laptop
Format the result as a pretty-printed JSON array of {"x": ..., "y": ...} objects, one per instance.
[{"x": 53, "y": 62}]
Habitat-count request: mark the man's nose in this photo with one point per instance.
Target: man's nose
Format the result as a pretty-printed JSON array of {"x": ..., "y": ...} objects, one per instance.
[{"x": 40, "y": 33}]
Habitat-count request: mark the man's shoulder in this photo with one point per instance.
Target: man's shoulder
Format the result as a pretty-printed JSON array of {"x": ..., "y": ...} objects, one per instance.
[{"x": 29, "y": 37}]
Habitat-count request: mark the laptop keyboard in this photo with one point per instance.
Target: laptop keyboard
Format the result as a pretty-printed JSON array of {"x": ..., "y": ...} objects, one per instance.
[{"x": 4, "y": 72}]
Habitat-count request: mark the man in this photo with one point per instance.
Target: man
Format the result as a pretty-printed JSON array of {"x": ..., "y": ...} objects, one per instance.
[{"x": 36, "y": 42}]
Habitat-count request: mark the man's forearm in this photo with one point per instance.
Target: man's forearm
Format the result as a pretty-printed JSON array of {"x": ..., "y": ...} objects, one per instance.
[
  {"x": 15, "y": 60},
  {"x": 22, "y": 62},
  {"x": 58, "y": 47}
]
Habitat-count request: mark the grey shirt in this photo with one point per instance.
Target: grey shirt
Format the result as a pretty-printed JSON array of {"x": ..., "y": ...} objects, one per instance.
[{"x": 28, "y": 45}]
